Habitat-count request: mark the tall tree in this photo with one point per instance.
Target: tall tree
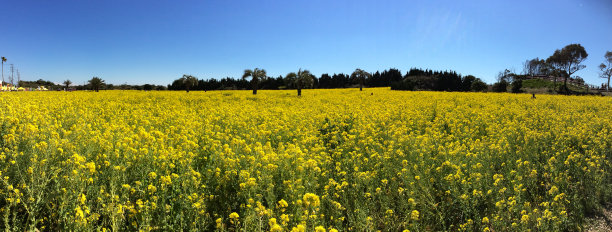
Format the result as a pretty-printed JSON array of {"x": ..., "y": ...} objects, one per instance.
[
  {"x": 534, "y": 67},
  {"x": 567, "y": 60},
  {"x": 466, "y": 82},
  {"x": 96, "y": 83},
  {"x": 3, "y": 61},
  {"x": 361, "y": 76},
  {"x": 67, "y": 83},
  {"x": 551, "y": 69},
  {"x": 256, "y": 75},
  {"x": 303, "y": 79},
  {"x": 189, "y": 81},
  {"x": 606, "y": 69},
  {"x": 479, "y": 85}
]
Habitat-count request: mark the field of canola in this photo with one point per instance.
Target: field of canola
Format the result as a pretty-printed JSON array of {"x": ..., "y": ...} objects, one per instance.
[{"x": 331, "y": 160}]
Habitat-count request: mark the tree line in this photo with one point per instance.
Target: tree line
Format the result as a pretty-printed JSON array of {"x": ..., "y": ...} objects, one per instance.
[
  {"x": 563, "y": 63},
  {"x": 415, "y": 79}
]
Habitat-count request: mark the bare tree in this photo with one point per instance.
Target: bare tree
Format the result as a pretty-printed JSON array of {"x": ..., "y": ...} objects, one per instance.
[
  {"x": 506, "y": 75},
  {"x": 606, "y": 69}
]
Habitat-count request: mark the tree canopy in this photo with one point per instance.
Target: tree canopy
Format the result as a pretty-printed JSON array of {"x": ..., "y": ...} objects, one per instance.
[
  {"x": 256, "y": 75},
  {"x": 96, "y": 83},
  {"x": 301, "y": 79},
  {"x": 567, "y": 61},
  {"x": 189, "y": 81},
  {"x": 361, "y": 76}
]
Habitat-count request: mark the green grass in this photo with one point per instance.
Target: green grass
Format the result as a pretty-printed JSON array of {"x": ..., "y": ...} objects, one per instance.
[{"x": 535, "y": 84}]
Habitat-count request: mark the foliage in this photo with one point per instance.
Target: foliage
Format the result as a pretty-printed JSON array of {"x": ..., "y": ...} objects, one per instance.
[
  {"x": 516, "y": 86},
  {"x": 418, "y": 79},
  {"x": 96, "y": 83},
  {"x": 479, "y": 86},
  {"x": 340, "y": 80},
  {"x": 67, "y": 84},
  {"x": 360, "y": 76},
  {"x": 415, "y": 79},
  {"x": 500, "y": 86},
  {"x": 35, "y": 84},
  {"x": 256, "y": 75},
  {"x": 386, "y": 78},
  {"x": 541, "y": 83},
  {"x": 188, "y": 81},
  {"x": 567, "y": 61},
  {"x": 303, "y": 79},
  {"x": 536, "y": 67},
  {"x": 147, "y": 87},
  {"x": 337, "y": 159}
]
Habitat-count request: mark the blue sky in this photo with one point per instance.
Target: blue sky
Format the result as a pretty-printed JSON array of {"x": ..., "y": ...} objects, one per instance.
[{"x": 138, "y": 42}]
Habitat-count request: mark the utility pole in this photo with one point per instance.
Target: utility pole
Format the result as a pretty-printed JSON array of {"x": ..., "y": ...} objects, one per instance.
[
  {"x": 18, "y": 78},
  {"x": 12, "y": 73}
]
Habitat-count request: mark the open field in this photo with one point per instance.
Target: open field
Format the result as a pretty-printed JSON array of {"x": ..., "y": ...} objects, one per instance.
[{"x": 329, "y": 160}]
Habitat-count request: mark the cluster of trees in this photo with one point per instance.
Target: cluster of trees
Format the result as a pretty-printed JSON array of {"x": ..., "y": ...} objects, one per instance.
[
  {"x": 508, "y": 78},
  {"x": 258, "y": 80},
  {"x": 418, "y": 79},
  {"x": 35, "y": 84},
  {"x": 415, "y": 79},
  {"x": 562, "y": 63},
  {"x": 95, "y": 84}
]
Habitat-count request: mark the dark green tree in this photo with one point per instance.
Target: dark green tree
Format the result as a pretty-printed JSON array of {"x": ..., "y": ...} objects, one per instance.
[
  {"x": 256, "y": 75},
  {"x": 466, "y": 82},
  {"x": 568, "y": 61},
  {"x": 361, "y": 76},
  {"x": 500, "y": 86},
  {"x": 303, "y": 79},
  {"x": 479, "y": 86},
  {"x": 516, "y": 85},
  {"x": 96, "y": 83},
  {"x": 189, "y": 81},
  {"x": 67, "y": 84}
]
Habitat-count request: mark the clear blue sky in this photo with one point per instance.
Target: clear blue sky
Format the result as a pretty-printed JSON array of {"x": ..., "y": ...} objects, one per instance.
[{"x": 152, "y": 41}]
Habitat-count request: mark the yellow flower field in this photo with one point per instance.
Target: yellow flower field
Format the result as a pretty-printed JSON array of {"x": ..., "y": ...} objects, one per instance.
[{"x": 331, "y": 160}]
